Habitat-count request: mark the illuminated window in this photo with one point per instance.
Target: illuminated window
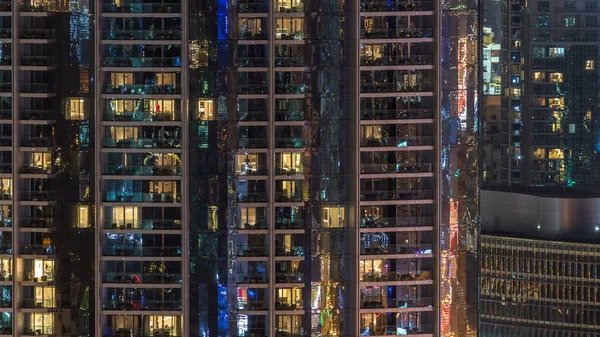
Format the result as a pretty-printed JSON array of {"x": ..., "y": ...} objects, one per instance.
[
  {"x": 246, "y": 163},
  {"x": 213, "y": 217},
  {"x": 570, "y": 21},
  {"x": 123, "y": 132},
  {"x": 248, "y": 217},
  {"x": 42, "y": 322},
  {"x": 83, "y": 216},
  {"x": 41, "y": 160},
  {"x": 198, "y": 54},
  {"x": 556, "y": 77},
  {"x": 515, "y": 92},
  {"x": 206, "y": 110},
  {"x": 588, "y": 115},
  {"x": 556, "y": 102},
  {"x": 120, "y": 79},
  {"x": 75, "y": 109},
  {"x": 556, "y": 154},
  {"x": 538, "y": 101},
  {"x": 290, "y": 28},
  {"x": 162, "y": 105},
  {"x": 572, "y": 128},
  {"x": 332, "y": 217},
  {"x": 6, "y": 188},
  {"x": 539, "y": 153},
  {"x": 557, "y": 125},
  {"x": 44, "y": 297},
  {"x": 539, "y": 77},
  {"x": 289, "y": 163},
  {"x": 371, "y": 132},
  {"x": 589, "y": 65},
  {"x": 123, "y": 105},
  {"x": 125, "y": 216},
  {"x": 556, "y": 52},
  {"x": 166, "y": 79}
]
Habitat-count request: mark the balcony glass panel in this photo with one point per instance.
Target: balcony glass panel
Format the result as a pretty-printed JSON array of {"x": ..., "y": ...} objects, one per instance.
[
  {"x": 396, "y": 54},
  {"x": 289, "y": 218},
  {"x": 157, "y": 137},
  {"x": 141, "y": 7},
  {"x": 288, "y": 299},
  {"x": 147, "y": 55},
  {"x": 38, "y": 297},
  {"x": 289, "y": 272},
  {"x": 251, "y": 164},
  {"x": 383, "y": 270},
  {"x": 289, "y": 163},
  {"x": 251, "y": 272},
  {"x": 396, "y": 324},
  {"x": 291, "y": 109},
  {"x": 289, "y": 6},
  {"x": 250, "y": 191},
  {"x": 390, "y": 81},
  {"x": 38, "y": 323},
  {"x": 391, "y": 108},
  {"x": 288, "y": 82},
  {"x": 251, "y": 325},
  {"x": 386, "y": 162},
  {"x": 252, "y": 28},
  {"x": 253, "y": 6},
  {"x": 289, "y": 55},
  {"x": 396, "y": 189},
  {"x": 289, "y": 326},
  {"x": 37, "y": 163},
  {"x": 252, "y": 55},
  {"x": 288, "y": 191},
  {"x": 149, "y": 299},
  {"x": 252, "y": 245},
  {"x": 142, "y": 164},
  {"x": 252, "y": 83},
  {"x": 252, "y": 299},
  {"x": 252, "y": 218},
  {"x": 252, "y": 137},
  {"x": 289, "y": 245},
  {"x": 290, "y": 29},
  {"x": 396, "y": 216},
  {"x": 123, "y": 325},
  {"x": 396, "y": 135},
  {"x": 142, "y": 272},
  {"x": 146, "y": 110},
  {"x": 142, "y": 83},
  {"x": 142, "y": 191},
  {"x": 252, "y": 110},
  {"x": 130, "y": 244},
  {"x": 381, "y": 27},
  {"x": 142, "y": 28},
  {"x": 396, "y": 243},
  {"x": 396, "y": 6},
  {"x": 289, "y": 137},
  {"x": 396, "y": 297}
]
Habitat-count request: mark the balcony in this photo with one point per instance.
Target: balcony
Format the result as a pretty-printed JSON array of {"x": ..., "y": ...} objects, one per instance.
[
  {"x": 398, "y": 222},
  {"x": 168, "y": 6},
  {"x": 289, "y": 277},
  {"x": 252, "y": 89},
  {"x": 42, "y": 250},
  {"x": 393, "y": 114},
  {"x": 396, "y": 6},
  {"x": 252, "y": 143},
  {"x": 147, "y": 332},
  {"x": 38, "y": 34},
  {"x": 150, "y": 35},
  {"x": 142, "y": 305},
  {"x": 142, "y": 62},
  {"x": 33, "y": 303},
  {"x": 401, "y": 33},
  {"x": 169, "y": 197},
  {"x": 5, "y": 87},
  {"x": 35, "y": 115},
  {"x": 381, "y": 328},
  {"x": 37, "y": 330},
  {"x": 142, "y": 278},
  {"x": 5, "y": 114},
  {"x": 397, "y": 87},
  {"x": 391, "y": 276},
  {"x": 143, "y": 225},
  {"x": 5, "y": 33},
  {"x": 396, "y": 303},
  {"x": 253, "y": 251},
  {"x": 37, "y": 61},
  {"x": 37, "y": 88},
  {"x": 142, "y": 89},
  {"x": 142, "y": 116},
  {"x": 244, "y": 61},
  {"x": 144, "y": 143},
  {"x": 252, "y": 278},
  {"x": 402, "y": 141},
  {"x": 396, "y": 168},
  {"x": 36, "y": 170},
  {"x": 142, "y": 251},
  {"x": 252, "y": 6},
  {"x": 289, "y": 143},
  {"x": 37, "y": 141},
  {"x": 416, "y": 248},
  {"x": 290, "y": 89},
  {"x": 37, "y": 195},
  {"x": 36, "y": 223},
  {"x": 5, "y": 6},
  {"x": 142, "y": 170}
]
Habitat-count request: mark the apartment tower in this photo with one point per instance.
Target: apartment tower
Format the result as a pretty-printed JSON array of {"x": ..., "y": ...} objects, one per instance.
[{"x": 239, "y": 168}]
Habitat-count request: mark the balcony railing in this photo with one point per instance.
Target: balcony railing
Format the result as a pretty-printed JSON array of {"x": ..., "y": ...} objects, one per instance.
[
  {"x": 142, "y": 278},
  {"x": 251, "y": 61},
  {"x": 37, "y": 61},
  {"x": 142, "y": 34},
  {"x": 37, "y": 141},
  {"x": 37, "y": 195},
  {"x": 37, "y": 250},
  {"x": 289, "y": 277},
  {"x": 395, "y": 168},
  {"x": 406, "y": 33},
  {"x": 5, "y": 6},
  {"x": 250, "y": 6},
  {"x": 382, "y": 87},
  {"x": 396, "y": 6},
  {"x": 417, "y": 248},
  {"x": 399, "y": 302},
  {"x": 38, "y": 34},
  {"x": 383, "y": 329},
  {"x": 36, "y": 170},
  {"x": 396, "y": 60},
  {"x": 5, "y": 87},
  {"x": 143, "y": 225},
  {"x": 142, "y": 62},
  {"x": 37, "y": 88},
  {"x": 413, "y": 221},
  {"x": 36, "y": 223},
  {"x": 383, "y": 195},
  {"x": 5, "y": 33},
  {"x": 142, "y": 251},
  {"x": 37, "y": 115},
  {"x": 391, "y": 275},
  {"x": 143, "y": 197},
  {"x": 145, "y": 143},
  {"x": 142, "y": 89},
  {"x": 142, "y": 305},
  {"x": 142, "y": 116},
  {"x": 142, "y": 170},
  {"x": 397, "y": 141},
  {"x": 391, "y": 114},
  {"x": 143, "y": 7}
]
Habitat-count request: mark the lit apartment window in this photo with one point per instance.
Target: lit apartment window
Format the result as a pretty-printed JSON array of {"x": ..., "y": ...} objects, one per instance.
[
  {"x": 42, "y": 160},
  {"x": 556, "y": 154},
  {"x": 289, "y": 163},
  {"x": 589, "y": 65},
  {"x": 125, "y": 216},
  {"x": 572, "y": 128},
  {"x": 556, "y": 102},
  {"x": 556, "y": 52},
  {"x": 83, "y": 216},
  {"x": 75, "y": 109},
  {"x": 556, "y": 77},
  {"x": 290, "y": 28},
  {"x": 539, "y": 153},
  {"x": 588, "y": 115},
  {"x": 332, "y": 217},
  {"x": 41, "y": 323},
  {"x": 371, "y": 132},
  {"x": 166, "y": 79},
  {"x": 206, "y": 111},
  {"x": 539, "y": 76},
  {"x": 213, "y": 217},
  {"x": 120, "y": 79},
  {"x": 44, "y": 297},
  {"x": 246, "y": 163}
]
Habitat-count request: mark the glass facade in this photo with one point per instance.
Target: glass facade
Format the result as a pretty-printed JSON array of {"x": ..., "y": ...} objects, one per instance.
[
  {"x": 538, "y": 288},
  {"x": 238, "y": 168}
]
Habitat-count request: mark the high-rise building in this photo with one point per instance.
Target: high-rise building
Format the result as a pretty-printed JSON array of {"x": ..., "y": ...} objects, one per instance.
[
  {"x": 239, "y": 168},
  {"x": 549, "y": 94},
  {"x": 539, "y": 270}
]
